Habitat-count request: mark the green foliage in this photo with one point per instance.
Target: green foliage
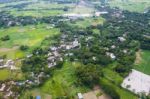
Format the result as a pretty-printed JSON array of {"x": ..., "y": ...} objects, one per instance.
[
  {"x": 110, "y": 91},
  {"x": 5, "y": 38},
  {"x": 24, "y": 47},
  {"x": 88, "y": 75},
  {"x": 143, "y": 65}
]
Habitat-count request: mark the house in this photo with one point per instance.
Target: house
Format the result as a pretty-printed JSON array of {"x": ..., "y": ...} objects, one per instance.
[
  {"x": 75, "y": 43},
  {"x": 80, "y": 96},
  {"x": 12, "y": 67},
  {"x": 94, "y": 58},
  {"x": 1, "y": 62},
  {"x": 9, "y": 94},
  {"x": 53, "y": 48},
  {"x": 100, "y": 13},
  {"x": 121, "y": 39},
  {"x": 113, "y": 46},
  {"x": 111, "y": 55},
  {"x": 125, "y": 51},
  {"x": 2, "y": 87},
  {"x": 30, "y": 55},
  {"x": 9, "y": 62}
]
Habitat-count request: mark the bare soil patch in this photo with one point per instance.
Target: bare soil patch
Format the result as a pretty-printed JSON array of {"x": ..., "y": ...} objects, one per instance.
[
  {"x": 138, "y": 57},
  {"x": 8, "y": 49},
  {"x": 97, "y": 93}
]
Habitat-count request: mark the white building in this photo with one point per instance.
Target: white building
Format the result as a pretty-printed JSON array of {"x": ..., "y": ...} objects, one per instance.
[
  {"x": 121, "y": 39},
  {"x": 80, "y": 96},
  {"x": 137, "y": 82}
]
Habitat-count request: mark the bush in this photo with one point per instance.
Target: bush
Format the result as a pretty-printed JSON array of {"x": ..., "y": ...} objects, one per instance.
[
  {"x": 5, "y": 38},
  {"x": 108, "y": 89},
  {"x": 24, "y": 47},
  {"x": 88, "y": 75}
]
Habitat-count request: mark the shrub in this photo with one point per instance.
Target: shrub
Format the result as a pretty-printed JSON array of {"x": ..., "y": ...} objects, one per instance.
[
  {"x": 5, "y": 38},
  {"x": 24, "y": 47}
]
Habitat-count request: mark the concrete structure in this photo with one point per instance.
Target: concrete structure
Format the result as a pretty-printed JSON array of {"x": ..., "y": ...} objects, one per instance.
[
  {"x": 137, "y": 82},
  {"x": 80, "y": 96}
]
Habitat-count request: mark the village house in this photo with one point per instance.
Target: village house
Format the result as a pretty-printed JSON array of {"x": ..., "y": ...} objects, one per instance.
[
  {"x": 2, "y": 87},
  {"x": 121, "y": 39},
  {"x": 111, "y": 55},
  {"x": 1, "y": 62},
  {"x": 80, "y": 96},
  {"x": 113, "y": 46}
]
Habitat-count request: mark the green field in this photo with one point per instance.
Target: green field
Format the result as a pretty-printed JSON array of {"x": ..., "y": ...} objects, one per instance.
[
  {"x": 41, "y": 9},
  {"x": 131, "y": 5},
  {"x": 124, "y": 94},
  {"x": 61, "y": 84},
  {"x": 7, "y": 74},
  {"x": 88, "y": 21},
  {"x": 27, "y": 35},
  {"x": 114, "y": 80},
  {"x": 144, "y": 65}
]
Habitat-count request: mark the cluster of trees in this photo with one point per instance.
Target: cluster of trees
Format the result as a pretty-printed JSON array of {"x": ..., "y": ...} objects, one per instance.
[
  {"x": 109, "y": 90},
  {"x": 93, "y": 47},
  {"x": 5, "y": 38},
  {"x": 88, "y": 75},
  {"x": 7, "y": 20},
  {"x": 24, "y": 47},
  {"x": 18, "y": 6}
]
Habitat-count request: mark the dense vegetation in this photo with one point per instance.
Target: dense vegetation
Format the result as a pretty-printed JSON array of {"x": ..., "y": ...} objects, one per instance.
[{"x": 104, "y": 50}]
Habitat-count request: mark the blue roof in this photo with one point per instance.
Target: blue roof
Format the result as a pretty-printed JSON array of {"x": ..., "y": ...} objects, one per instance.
[{"x": 38, "y": 97}]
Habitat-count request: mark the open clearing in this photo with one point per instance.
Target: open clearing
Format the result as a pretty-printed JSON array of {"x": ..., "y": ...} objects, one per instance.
[
  {"x": 95, "y": 94},
  {"x": 61, "y": 83},
  {"x": 6, "y": 74},
  {"x": 137, "y": 82},
  {"x": 144, "y": 64},
  {"x": 27, "y": 35},
  {"x": 131, "y": 5}
]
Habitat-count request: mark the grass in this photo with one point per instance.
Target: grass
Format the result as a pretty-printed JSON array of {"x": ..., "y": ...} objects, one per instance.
[
  {"x": 27, "y": 35},
  {"x": 144, "y": 64},
  {"x": 61, "y": 84},
  {"x": 40, "y": 9},
  {"x": 112, "y": 76},
  {"x": 34, "y": 93},
  {"x": 7, "y": 74},
  {"x": 88, "y": 21},
  {"x": 131, "y": 5},
  {"x": 124, "y": 94},
  {"x": 82, "y": 10},
  {"x": 113, "y": 79}
]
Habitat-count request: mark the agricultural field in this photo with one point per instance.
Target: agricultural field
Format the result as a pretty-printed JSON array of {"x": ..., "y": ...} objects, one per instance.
[
  {"x": 72, "y": 54},
  {"x": 42, "y": 9},
  {"x": 131, "y": 5},
  {"x": 31, "y": 36},
  {"x": 144, "y": 62},
  {"x": 124, "y": 94},
  {"x": 89, "y": 21},
  {"x": 8, "y": 74},
  {"x": 61, "y": 83}
]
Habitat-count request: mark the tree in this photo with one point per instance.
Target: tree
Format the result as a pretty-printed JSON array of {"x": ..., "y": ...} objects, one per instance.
[
  {"x": 24, "y": 47},
  {"x": 108, "y": 89},
  {"x": 5, "y": 38},
  {"x": 88, "y": 74}
]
